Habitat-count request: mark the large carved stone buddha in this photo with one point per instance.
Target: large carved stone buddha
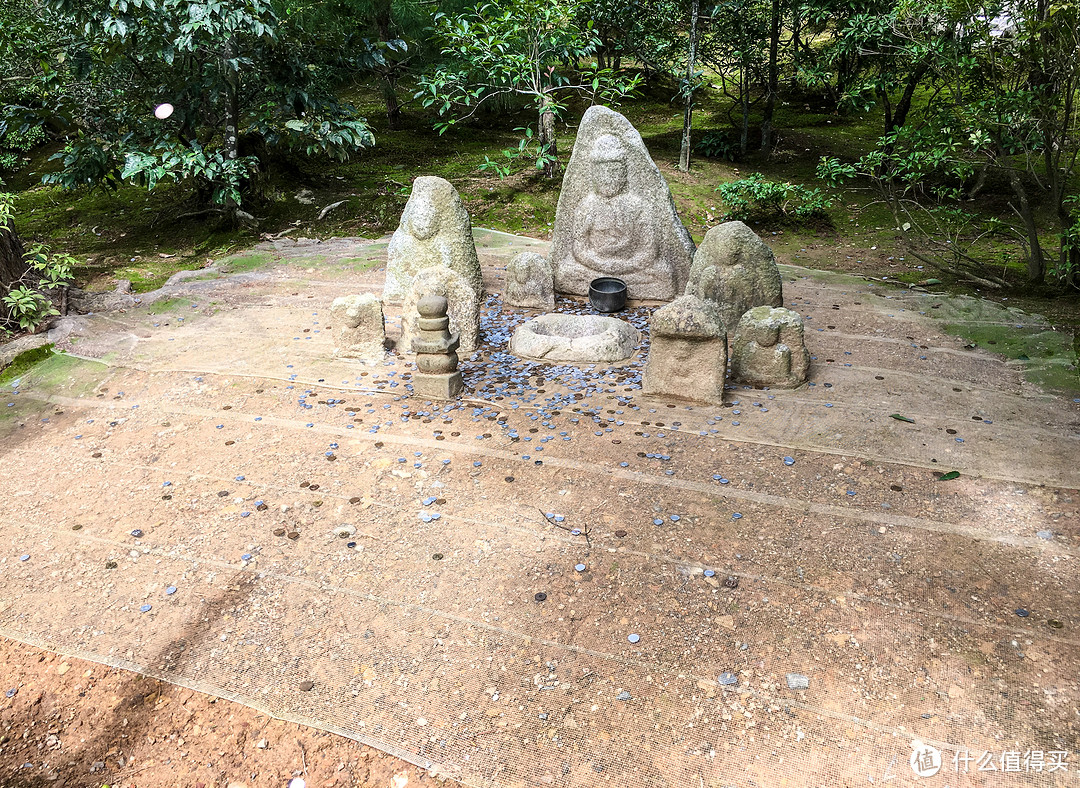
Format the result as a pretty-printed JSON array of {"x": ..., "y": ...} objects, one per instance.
[{"x": 616, "y": 216}]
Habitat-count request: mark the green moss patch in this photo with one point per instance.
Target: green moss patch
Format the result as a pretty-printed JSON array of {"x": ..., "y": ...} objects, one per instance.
[{"x": 24, "y": 362}]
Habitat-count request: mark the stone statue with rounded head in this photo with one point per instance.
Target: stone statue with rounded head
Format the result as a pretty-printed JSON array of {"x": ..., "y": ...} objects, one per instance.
[
  {"x": 435, "y": 231},
  {"x": 616, "y": 216}
]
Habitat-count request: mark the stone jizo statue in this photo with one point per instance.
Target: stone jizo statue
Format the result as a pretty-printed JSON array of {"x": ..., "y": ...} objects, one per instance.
[
  {"x": 736, "y": 270},
  {"x": 435, "y": 231},
  {"x": 359, "y": 327},
  {"x": 688, "y": 353},
  {"x": 768, "y": 348},
  {"x": 529, "y": 282}
]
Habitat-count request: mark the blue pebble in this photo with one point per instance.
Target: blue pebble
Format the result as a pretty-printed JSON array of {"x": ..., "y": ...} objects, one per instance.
[
  {"x": 145, "y": 609},
  {"x": 789, "y": 461},
  {"x": 170, "y": 590},
  {"x": 736, "y": 516}
]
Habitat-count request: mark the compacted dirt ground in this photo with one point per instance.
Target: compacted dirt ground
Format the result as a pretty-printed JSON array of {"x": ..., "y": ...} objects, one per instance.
[
  {"x": 78, "y": 723},
  {"x": 554, "y": 581}
]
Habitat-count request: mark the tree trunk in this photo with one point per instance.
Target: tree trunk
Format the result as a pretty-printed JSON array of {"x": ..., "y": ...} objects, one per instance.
[
  {"x": 688, "y": 109},
  {"x": 12, "y": 263},
  {"x": 767, "y": 133},
  {"x": 548, "y": 144},
  {"x": 232, "y": 120},
  {"x": 744, "y": 100},
  {"x": 393, "y": 106},
  {"x": 384, "y": 24},
  {"x": 1036, "y": 261},
  {"x": 796, "y": 42}
]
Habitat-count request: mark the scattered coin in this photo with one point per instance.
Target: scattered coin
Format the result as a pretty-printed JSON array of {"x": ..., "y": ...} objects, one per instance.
[
  {"x": 797, "y": 681},
  {"x": 307, "y": 686}
]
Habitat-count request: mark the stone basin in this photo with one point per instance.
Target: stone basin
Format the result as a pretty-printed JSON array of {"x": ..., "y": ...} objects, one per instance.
[{"x": 584, "y": 339}]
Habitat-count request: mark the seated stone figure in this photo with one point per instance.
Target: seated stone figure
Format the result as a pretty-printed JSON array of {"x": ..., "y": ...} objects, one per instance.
[
  {"x": 463, "y": 307},
  {"x": 435, "y": 231},
  {"x": 616, "y": 216},
  {"x": 688, "y": 352},
  {"x": 735, "y": 269},
  {"x": 529, "y": 283},
  {"x": 768, "y": 349},
  {"x": 359, "y": 327},
  {"x": 613, "y": 232}
]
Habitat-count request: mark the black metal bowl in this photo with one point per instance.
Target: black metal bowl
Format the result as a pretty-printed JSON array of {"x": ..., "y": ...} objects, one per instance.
[{"x": 607, "y": 294}]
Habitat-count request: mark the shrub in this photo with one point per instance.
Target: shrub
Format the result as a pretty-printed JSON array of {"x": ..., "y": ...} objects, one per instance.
[
  {"x": 717, "y": 145},
  {"x": 756, "y": 198}
]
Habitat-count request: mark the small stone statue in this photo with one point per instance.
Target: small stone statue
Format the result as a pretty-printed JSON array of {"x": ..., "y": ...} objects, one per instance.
[
  {"x": 736, "y": 270},
  {"x": 434, "y": 231},
  {"x": 437, "y": 375},
  {"x": 359, "y": 327},
  {"x": 768, "y": 349},
  {"x": 688, "y": 354},
  {"x": 463, "y": 306},
  {"x": 529, "y": 282}
]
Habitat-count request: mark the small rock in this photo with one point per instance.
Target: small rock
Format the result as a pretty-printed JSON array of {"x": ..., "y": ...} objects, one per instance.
[
  {"x": 624, "y": 695},
  {"x": 261, "y": 744}
]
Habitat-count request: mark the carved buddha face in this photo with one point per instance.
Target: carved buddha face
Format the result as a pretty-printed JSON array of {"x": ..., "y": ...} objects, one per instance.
[
  {"x": 423, "y": 221},
  {"x": 766, "y": 336},
  {"x": 608, "y": 161}
]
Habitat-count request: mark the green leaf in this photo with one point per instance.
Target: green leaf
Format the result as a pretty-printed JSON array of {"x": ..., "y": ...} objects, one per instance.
[
  {"x": 947, "y": 477},
  {"x": 898, "y": 417}
]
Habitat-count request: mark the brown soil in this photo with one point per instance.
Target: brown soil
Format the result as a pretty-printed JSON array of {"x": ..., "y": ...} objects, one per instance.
[{"x": 79, "y": 724}]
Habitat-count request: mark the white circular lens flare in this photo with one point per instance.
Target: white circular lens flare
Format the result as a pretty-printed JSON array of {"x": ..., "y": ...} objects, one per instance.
[{"x": 162, "y": 111}]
